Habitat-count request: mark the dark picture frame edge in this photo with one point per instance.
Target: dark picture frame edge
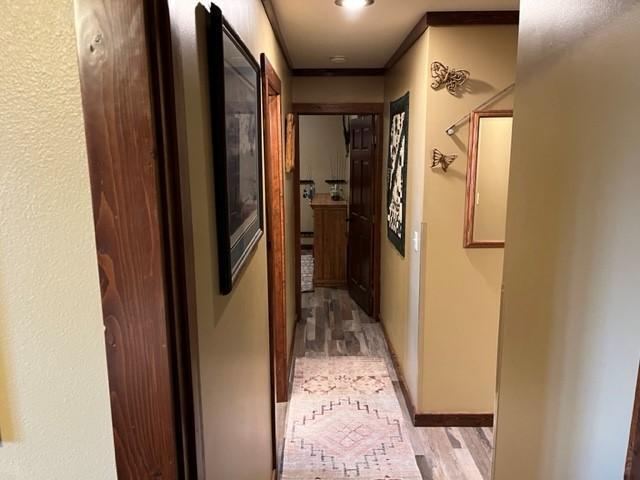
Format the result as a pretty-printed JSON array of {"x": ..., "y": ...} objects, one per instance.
[
  {"x": 399, "y": 105},
  {"x": 217, "y": 28}
]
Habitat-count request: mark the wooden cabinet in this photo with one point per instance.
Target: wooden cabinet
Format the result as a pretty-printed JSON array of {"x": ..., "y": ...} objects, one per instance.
[{"x": 329, "y": 241}]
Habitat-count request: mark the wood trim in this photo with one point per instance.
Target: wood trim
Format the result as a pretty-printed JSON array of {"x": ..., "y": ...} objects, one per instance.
[
  {"x": 413, "y": 36},
  {"x": 433, "y": 19},
  {"x": 270, "y": 10},
  {"x": 296, "y": 221},
  {"x": 275, "y": 229},
  {"x": 484, "y": 17},
  {"x": 453, "y": 420},
  {"x": 177, "y": 231},
  {"x": 396, "y": 364},
  {"x": 274, "y": 194},
  {"x": 632, "y": 465},
  {"x": 136, "y": 207},
  {"x": 271, "y": 83},
  {"x": 338, "y": 72},
  {"x": 472, "y": 173},
  {"x": 378, "y": 195},
  {"x": 338, "y": 108}
]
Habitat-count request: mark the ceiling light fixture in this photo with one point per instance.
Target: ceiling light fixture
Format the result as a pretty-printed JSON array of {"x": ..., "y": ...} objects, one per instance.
[
  {"x": 354, "y": 4},
  {"x": 338, "y": 59}
]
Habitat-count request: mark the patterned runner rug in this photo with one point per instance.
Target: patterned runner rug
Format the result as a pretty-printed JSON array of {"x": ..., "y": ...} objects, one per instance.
[{"x": 345, "y": 422}]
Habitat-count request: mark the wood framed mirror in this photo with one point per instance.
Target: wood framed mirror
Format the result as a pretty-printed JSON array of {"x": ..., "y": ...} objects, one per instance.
[{"x": 487, "y": 178}]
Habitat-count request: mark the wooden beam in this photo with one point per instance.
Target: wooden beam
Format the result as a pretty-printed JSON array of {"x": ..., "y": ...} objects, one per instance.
[
  {"x": 338, "y": 72},
  {"x": 498, "y": 17},
  {"x": 270, "y": 10},
  {"x": 453, "y": 420},
  {"x": 337, "y": 108},
  {"x": 439, "y": 19}
]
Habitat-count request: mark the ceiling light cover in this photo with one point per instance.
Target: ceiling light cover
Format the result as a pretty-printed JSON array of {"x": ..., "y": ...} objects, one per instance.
[{"x": 354, "y": 4}]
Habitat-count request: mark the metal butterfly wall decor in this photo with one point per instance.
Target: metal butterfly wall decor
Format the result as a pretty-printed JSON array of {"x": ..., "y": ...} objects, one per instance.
[
  {"x": 442, "y": 160},
  {"x": 449, "y": 77}
]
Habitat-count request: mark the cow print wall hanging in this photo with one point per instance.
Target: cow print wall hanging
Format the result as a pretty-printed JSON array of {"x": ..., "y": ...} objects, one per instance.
[
  {"x": 449, "y": 77},
  {"x": 397, "y": 171}
]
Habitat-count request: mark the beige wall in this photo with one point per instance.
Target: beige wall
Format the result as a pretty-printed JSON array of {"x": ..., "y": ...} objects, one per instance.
[
  {"x": 446, "y": 347},
  {"x": 399, "y": 276},
  {"x": 461, "y": 286},
  {"x": 232, "y": 329},
  {"x": 570, "y": 328},
  {"x": 321, "y": 143},
  {"x": 338, "y": 89},
  {"x": 55, "y": 418}
]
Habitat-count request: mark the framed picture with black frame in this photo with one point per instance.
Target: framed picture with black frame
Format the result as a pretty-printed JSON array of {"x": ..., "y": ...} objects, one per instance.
[{"x": 236, "y": 131}]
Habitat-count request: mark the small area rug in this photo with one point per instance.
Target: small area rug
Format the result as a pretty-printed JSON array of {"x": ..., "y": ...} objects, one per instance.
[{"x": 345, "y": 422}]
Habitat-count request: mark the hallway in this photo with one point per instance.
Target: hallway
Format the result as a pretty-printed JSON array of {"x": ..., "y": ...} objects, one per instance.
[{"x": 339, "y": 338}]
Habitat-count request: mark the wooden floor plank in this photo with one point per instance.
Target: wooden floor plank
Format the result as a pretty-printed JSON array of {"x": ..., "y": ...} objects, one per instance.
[
  {"x": 437, "y": 442},
  {"x": 467, "y": 465},
  {"x": 336, "y": 326}
]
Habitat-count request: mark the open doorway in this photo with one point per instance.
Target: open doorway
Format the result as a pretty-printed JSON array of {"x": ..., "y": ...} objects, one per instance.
[{"x": 338, "y": 208}]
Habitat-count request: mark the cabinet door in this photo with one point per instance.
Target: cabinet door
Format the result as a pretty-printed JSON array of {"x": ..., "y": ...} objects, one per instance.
[{"x": 330, "y": 247}]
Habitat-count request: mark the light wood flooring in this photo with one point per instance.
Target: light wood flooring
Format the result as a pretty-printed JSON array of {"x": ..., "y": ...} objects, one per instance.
[{"x": 332, "y": 324}]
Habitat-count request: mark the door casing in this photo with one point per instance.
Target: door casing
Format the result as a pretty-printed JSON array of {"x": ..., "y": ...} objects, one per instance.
[
  {"x": 375, "y": 109},
  {"x": 127, "y": 90}
]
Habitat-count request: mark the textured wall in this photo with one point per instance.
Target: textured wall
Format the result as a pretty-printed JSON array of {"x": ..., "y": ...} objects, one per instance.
[
  {"x": 233, "y": 329},
  {"x": 570, "y": 328},
  {"x": 54, "y": 400}
]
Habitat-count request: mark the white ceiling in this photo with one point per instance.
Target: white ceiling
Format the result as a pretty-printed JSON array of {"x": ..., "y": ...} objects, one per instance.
[{"x": 315, "y": 30}]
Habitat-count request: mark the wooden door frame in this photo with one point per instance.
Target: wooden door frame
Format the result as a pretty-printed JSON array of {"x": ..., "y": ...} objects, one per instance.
[
  {"x": 150, "y": 331},
  {"x": 377, "y": 110},
  {"x": 275, "y": 212}
]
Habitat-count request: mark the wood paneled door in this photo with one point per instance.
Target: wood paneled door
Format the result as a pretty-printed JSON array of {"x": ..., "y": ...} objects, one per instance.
[
  {"x": 274, "y": 192},
  {"x": 362, "y": 203}
]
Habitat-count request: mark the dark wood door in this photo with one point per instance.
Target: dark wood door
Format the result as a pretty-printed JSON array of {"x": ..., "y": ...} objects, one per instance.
[{"x": 362, "y": 212}]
